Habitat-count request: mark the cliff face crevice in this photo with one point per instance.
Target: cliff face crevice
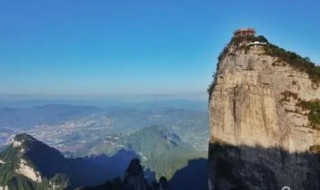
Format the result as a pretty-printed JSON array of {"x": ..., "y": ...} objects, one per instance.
[{"x": 254, "y": 111}]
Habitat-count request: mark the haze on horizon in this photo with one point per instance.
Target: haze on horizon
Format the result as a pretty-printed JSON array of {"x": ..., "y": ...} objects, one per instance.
[{"x": 96, "y": 48}]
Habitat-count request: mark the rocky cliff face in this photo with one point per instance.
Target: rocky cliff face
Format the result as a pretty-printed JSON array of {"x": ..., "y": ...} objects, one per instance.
[{"x": 263, "y": 136}]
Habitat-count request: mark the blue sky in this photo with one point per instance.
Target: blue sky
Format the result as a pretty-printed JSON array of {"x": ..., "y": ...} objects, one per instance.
[{"x": 122, "y": 47}]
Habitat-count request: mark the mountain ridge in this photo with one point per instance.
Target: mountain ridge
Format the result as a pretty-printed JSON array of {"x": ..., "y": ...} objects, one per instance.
[
  {"x": 26, "y": 165},
  {"x": 30, "y": 164},
  {"x": 159, "y": 149}
]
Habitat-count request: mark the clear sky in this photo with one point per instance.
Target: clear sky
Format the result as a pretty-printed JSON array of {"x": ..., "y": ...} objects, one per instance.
[{"x": 121, "y": 47}]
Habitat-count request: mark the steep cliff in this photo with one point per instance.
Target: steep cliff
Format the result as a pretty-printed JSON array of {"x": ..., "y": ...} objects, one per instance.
[{"x": 264, "y": 118}]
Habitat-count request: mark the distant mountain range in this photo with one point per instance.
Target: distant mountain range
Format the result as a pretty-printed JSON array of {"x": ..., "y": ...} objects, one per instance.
[
  {"x": 29, "y": 164},
  {"x": 68, "y": 127},
  {"x": 97, "y": 143}
]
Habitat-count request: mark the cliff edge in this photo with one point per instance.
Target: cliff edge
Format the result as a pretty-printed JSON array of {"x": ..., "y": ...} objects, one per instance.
[{"x": 264, "y": 112}]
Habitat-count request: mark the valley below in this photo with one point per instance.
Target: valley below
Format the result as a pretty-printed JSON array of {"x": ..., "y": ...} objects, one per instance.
[{"x": 169, "y": 138}]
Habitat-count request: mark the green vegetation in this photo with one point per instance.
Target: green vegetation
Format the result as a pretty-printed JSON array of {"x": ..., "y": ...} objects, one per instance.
[
  {"x": 164, "y": 151},
  {"x": 314, "y": 113},
  {"x": 295, "y": 60},
  {"x": 161, "y": 150},
  {"x": 238, "y": 42},
  {"x": 12, "y": 157},
  {"x": 20, "y": 182},
  {"x": 223, "y": 53},
  {"x": 211, "y": 86},
  {"x": 6, "y": 170},
  {"x": 301, "y": 63}
]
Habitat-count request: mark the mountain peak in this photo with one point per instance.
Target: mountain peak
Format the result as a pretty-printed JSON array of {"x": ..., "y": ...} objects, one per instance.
[
  {"x": 30, "y": 161},
  {"x": 24, "y": 137},
  {"x": 263, "y": 96},
  {"x": 27, "y": 143}
]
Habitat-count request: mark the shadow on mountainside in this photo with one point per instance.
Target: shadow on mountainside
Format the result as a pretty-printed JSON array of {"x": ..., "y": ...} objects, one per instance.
[
  {"x": 133, "y": 178},
  {"x": 27, "y": 152},
  {"x": 56, "y": 170},
  {"x": 193, "y": 176},
  {"x": 97, "y": 169},
  {"x": 245, "y": 167}
]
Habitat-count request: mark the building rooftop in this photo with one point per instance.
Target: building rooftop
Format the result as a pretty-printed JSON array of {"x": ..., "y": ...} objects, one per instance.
[{"x": 245, "y": 31}]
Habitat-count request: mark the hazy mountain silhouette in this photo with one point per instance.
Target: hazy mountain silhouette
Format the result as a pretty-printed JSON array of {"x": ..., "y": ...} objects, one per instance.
[{"x": 16, "y": 117}]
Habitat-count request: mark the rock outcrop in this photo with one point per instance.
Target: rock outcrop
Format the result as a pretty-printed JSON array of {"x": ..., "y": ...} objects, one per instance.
[
  {"x": 134, "y": 177},
  {"x": 262, "y": 134}
]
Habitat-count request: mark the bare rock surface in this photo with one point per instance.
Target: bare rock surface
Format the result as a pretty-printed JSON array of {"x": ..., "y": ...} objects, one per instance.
[{"x": 258, "y": 132}]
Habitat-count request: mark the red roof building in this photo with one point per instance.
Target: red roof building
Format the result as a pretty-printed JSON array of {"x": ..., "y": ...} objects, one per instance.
[{"x": 245, "y": 32}]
